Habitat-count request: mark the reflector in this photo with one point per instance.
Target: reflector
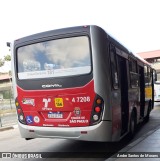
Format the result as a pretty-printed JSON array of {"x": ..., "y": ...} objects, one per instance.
[
  {"x": 17, "y": 104},
  {"x": 83, "y": 132},
  {"x": 19, "y": 110},
  {"x": 95, "y": 117},
  {"x": 21, "y": 117},
  {"x": 99, "y": 101}
]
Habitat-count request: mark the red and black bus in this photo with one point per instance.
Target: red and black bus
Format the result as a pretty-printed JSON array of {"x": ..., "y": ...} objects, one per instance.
[{"x": 79, "y": 83}]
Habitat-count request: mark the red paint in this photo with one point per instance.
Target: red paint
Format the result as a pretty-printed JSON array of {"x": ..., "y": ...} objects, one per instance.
[{"x": 76, "y": 105}]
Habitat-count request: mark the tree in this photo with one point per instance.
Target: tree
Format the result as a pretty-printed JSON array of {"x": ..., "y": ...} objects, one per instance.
[
  {"x": 7, "y": 58},
  {"x": 2, "y": 62}
]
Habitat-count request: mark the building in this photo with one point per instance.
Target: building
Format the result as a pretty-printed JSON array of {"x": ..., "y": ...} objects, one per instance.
[{"x": 152, "y": 57}]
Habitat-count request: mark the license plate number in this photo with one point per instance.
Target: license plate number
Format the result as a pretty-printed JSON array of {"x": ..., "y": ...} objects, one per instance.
[{"x": 55, "y": 115}]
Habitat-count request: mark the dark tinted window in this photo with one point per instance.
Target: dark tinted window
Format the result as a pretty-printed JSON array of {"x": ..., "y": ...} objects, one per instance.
[
  {"x": 134, "y": 76},
  {"x": 114, "y": 67}
]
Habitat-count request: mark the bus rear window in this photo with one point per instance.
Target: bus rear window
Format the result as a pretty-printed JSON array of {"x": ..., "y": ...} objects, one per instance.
[{"x": 54, "y": 58}]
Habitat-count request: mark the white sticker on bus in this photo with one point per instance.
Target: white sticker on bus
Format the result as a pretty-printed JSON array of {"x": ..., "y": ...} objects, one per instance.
[
  {"x": 81, "y": 119},
  {"x": 46, "y": 101},
  {"x": 54, "y": 73},
  {"x": 78, "y": 121},
  {"x": 36, "y": 119}
]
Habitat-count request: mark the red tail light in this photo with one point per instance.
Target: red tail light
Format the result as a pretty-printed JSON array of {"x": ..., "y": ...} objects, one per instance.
[
  {"x": 20, "y": 114},
  {"x": 97, "y": 110}
]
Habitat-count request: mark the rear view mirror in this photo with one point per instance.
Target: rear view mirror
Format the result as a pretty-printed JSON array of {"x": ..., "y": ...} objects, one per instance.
[{"x": 8, "y": 44}]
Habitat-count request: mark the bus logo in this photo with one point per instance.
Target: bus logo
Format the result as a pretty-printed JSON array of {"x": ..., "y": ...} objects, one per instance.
[
  {"x": 6, "y": 155},
  {"x": 77, "y": 111},
  {"x": 51, "y": 85},
  {"x": 46, "y": 101}
]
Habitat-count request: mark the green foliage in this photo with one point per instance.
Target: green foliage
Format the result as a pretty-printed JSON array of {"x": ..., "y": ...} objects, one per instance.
[
  {"x": 7, "y": 58},
  {"x": 1, "y": 62}
]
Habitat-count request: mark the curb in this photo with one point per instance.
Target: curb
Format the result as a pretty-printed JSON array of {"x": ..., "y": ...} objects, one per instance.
[
  {"x": 8, "y": 127},
  {"x": 132, "y": 144}
]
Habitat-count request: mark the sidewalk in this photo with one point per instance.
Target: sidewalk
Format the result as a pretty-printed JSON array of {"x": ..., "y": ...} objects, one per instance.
[
  {"x": 8, "y": 127},
  {"x": 146, "y": 147},
  {"x": 8, "y": 121}
]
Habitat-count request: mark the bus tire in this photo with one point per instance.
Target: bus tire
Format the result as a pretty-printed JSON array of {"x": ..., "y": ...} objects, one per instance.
[
  {"x": 132, "y": 127},
  {"x": 146, "y": 119}
]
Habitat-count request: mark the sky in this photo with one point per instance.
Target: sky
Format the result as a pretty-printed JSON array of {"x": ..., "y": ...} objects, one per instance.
[{"x": 134, "y": 23}]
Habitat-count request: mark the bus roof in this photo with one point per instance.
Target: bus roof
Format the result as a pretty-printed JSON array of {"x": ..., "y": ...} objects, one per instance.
[
  {"x": 127, "y": 51},
  {"x": 76, "y": 29},
  {"x": 56, "y": 32}
]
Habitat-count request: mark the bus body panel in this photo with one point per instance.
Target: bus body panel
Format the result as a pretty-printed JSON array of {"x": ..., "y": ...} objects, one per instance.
[
  {"x": 13, "y": 64},
  {"x": 90, "y": 133},
  {"x": 74, "y": 108},
  {"x": 101, "y": 63}
]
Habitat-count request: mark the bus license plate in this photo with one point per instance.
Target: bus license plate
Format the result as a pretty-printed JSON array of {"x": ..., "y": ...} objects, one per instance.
[{"x": 55, "y": 115}]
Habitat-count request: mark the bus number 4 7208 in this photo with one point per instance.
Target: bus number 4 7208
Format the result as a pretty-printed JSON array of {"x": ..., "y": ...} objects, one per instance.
[{"x": 81, "y": 99}]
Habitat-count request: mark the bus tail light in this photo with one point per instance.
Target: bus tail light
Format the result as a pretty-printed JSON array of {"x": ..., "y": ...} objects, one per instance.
[
  {"x": 19, "y": 111},
  {"x": 95, "y": 117},
  {"x": 20, "y": 114},
  {"x": 97, "y": 110}
]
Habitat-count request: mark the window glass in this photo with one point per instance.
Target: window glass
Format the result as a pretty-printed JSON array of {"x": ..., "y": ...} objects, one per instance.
[
  {"x": 54, "y": 58},
  {"x": 134, "y": 80},
  {"x": 134, "y": 76},
  {"x": 133, "y": 66},
  {"x": 148, "y": 75},
  {"x": 145, "y": 70},
  {"x": 114, "y": 67}
]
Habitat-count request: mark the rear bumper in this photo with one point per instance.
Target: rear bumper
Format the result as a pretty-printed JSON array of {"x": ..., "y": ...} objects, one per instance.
[{"x": 100, "y": 132}]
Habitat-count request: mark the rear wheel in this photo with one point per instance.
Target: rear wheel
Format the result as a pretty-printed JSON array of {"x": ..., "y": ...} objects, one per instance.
[
  {"x": 148, "y": 112},
  {"x": 132, "y": 125}
]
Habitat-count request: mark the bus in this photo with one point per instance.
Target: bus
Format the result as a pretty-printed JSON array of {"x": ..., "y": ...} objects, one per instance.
[
  {"x": 79, "y": 83},
  {"x": 157, "y": 91}
]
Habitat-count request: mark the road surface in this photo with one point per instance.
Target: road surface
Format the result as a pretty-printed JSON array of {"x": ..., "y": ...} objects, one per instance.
[{"x": 10, "y": 141}]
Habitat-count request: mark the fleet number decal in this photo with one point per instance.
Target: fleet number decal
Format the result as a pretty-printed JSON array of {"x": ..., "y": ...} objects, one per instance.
[{"x": 81, "y": 99}]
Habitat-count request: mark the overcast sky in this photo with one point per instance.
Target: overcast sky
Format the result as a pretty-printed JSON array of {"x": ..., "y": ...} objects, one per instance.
[{"x": 134, "y": 23}]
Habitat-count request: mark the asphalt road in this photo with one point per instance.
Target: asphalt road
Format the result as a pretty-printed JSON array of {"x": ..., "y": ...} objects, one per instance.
[{"x": 61, "y": 149}]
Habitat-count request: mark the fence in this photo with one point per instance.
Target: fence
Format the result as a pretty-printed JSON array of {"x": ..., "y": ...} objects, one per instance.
[
  {"x": 8, "y": 114},
  {"x": 7, "y": 104}
]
